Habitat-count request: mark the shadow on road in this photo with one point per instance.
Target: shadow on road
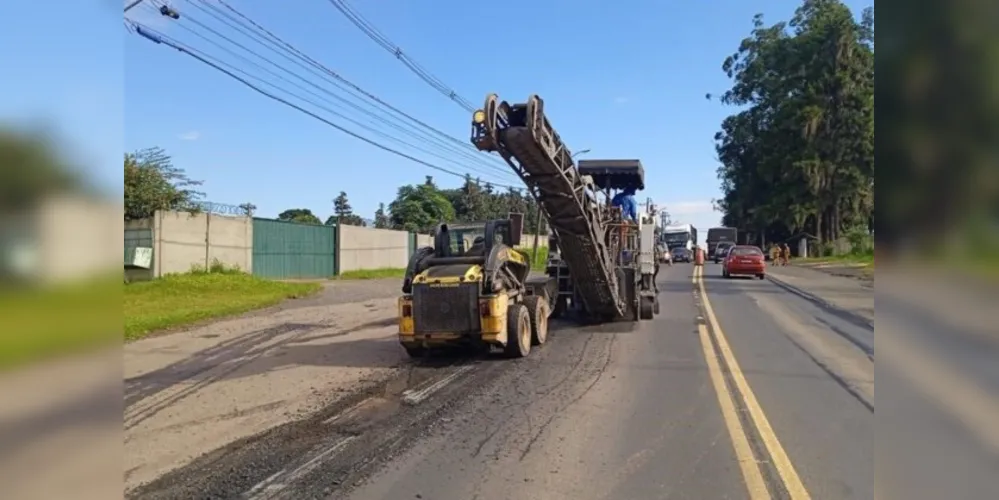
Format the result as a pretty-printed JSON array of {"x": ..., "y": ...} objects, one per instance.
[{"x": 255, "y": 353}]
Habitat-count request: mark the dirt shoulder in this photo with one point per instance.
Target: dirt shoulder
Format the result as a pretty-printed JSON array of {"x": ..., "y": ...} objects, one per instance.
[
  {"x": 197, "y": 390},
  {"x": 848, "y": 294}
]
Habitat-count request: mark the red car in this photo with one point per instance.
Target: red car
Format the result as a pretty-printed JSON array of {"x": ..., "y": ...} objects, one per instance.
[{"x": 744, "y": 260}]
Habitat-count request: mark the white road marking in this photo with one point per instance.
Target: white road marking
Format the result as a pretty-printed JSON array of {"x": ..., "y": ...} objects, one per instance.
[
  {"x": 275, "y": 484},
  {"x": 414, "y": 397},
  {"x": 346, "y": 412}
]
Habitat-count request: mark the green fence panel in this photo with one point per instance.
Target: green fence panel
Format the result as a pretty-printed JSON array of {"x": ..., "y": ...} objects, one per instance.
[
  {"x": 137, "y": 238},
  {"x": 288, "y": 250}
]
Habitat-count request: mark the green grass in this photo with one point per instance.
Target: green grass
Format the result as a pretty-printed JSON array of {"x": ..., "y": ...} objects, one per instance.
[
  {"x": 865, "y": 260},
  {"x": 182, "y": 299},
  {"x": 45, "y": 322},
  {"x": 373, "y": 274},
  {"x": 540, "y": 261}
]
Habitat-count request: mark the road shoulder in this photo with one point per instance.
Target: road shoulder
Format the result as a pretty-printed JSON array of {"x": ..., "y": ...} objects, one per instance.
[
  {"x": 198, "y": 390},
  {"x": 838, "y": 294}
]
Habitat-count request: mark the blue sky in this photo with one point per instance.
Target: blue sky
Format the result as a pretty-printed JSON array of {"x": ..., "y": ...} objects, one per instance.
[{"x": 623, "y": 79}]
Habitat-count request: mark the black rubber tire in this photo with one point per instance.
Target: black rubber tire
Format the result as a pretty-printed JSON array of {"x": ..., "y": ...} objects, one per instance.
[
  {"x": 518, "y": 332},
  {"x": 416, "y": 352},
  {"x": 646, "y": 308},
  {"x": 761, "y": 276},
  {"x": 537, "y": 308}
]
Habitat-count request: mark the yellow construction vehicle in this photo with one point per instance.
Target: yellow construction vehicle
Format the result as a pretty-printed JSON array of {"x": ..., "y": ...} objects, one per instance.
[{"x": 472, "y": 289}]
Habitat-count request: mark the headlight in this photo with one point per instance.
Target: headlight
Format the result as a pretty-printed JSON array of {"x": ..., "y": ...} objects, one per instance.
[{"x": 479, "y": 117}]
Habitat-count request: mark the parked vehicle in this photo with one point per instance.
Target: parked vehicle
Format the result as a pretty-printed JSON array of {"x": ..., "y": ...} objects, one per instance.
[{"x": 744, "y": 260}]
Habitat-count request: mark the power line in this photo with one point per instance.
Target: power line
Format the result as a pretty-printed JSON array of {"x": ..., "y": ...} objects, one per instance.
[
  {"x": 433, "y": 137},
  {"x": 428, "y": 141},
  {"x": 311, "y": 64},
  {"x": 379, "y": 38},
  {"x": 160, "y": 38},
  {"x": 350, "y": 84}
]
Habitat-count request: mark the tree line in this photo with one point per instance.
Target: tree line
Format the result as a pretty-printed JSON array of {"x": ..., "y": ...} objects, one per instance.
[
  {"x": 420, "y": 207},
  {"x": 153, "y": 183},
  {"x": 799, "y": 155}
]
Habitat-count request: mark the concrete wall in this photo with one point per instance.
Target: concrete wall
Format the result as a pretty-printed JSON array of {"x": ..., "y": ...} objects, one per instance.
[
  {"x": 182, "y": 241},
  {"x": 63, "y": 238},
  {"x": 371, "y": 248},
  {"x": 424, "y": 240},
  {"x": 527, "y": 240}
]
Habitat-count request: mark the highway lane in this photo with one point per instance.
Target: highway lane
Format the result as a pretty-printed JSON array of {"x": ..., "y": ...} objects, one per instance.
[
  {"x": 618, "y": 411},
  {"x": 615, "y": 411},
  {"x": 812, "y": 372},
  {"x": 937, "y": 431}
]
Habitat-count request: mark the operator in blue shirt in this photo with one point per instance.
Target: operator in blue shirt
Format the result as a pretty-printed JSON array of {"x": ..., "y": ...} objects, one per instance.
[{"x": 626, "y": 200}]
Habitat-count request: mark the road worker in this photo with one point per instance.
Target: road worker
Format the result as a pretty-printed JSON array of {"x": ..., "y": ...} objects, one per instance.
[
  {"x": 626, "y": 201},
  {"x": 785, "y": 254}
]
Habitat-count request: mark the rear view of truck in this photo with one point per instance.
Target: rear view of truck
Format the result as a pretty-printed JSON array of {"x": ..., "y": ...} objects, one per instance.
[{"x": 717, "y": 235}]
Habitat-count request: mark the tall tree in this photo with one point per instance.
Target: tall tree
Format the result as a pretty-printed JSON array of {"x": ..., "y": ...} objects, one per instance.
[
  {"x": 299, "y": 215},
  {"x": 799, "y": 156},
  {"x": 344, "y": 213},
  {"x": 30, "y": 169},
  {"x": 382, "y": 220},
  {"x": 153, "y": 183},
  {"x": 420, "y": 208}
]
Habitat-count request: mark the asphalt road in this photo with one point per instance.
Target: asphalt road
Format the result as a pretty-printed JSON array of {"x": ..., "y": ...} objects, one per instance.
[{"x": 751, "y": 393}]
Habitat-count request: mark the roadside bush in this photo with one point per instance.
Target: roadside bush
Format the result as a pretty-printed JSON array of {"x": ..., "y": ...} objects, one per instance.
[{"x": 216, "y": 267}]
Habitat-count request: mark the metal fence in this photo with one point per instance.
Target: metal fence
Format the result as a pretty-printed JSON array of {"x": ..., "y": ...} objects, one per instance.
[
  {"x": 137, "y": 238},
  {"x": 284, "y": 250}
]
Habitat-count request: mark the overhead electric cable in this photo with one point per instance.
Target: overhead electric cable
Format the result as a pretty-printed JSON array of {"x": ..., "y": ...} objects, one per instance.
[
  {"x": 391, "y": 123},
  {"x": 436, "y": 138},
  {"x": 160, "y": 38},
  {"x": 333, "y": 74},
  {"x": 379, "y": 38}
]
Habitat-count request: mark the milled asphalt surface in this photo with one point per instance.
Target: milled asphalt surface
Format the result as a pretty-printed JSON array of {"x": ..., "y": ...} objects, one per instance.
[{"x": 615, "y": 411}]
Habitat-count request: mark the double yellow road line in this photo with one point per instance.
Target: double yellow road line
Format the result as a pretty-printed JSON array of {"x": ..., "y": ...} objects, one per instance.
[{"x": 730, "y": 397}]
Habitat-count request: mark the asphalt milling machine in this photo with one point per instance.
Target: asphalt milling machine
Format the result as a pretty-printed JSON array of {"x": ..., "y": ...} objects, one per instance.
[{"x": 473, "y": 288}]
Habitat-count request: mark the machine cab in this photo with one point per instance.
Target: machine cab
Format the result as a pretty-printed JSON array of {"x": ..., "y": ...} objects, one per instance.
[{"x": 476, "y": 239}]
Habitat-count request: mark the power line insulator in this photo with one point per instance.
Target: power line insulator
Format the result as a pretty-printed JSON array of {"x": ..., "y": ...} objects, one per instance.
[{"x": 169, "y": 12}]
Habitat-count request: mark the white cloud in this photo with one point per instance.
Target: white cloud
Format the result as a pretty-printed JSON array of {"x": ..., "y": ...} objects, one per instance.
[
  {"x": 192, "y": 135},
  {"x": 688, "y": 208}
]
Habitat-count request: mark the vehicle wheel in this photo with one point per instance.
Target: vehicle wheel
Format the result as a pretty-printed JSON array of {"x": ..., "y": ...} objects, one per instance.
[
  {"x": 416, "y": 352},
  {"x": 537, "y": 308},
  {"x": 518, "y": 332},
  {"x": 646, "y": 307},
  {"x": 726, "y": 275},
  {"x": 762, "y": 276}
]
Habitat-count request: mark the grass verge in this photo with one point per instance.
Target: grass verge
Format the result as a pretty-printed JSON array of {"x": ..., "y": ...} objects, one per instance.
[
  {"x": 182, "y": 299},
  {"x": 46, "y": 322},
  {"x": 373, "y": 274},
  {"x": 864, "y": 260}
]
